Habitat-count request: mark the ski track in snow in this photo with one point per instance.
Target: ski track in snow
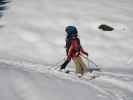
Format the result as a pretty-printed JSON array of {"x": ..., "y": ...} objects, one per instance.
[
  {"x": 115, "y": 87},
  {"x": 107, "y": 78}
]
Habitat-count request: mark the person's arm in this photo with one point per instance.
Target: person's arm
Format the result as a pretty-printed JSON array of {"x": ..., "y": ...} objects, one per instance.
[
  {"x": 84, "y": 52},
  {"x": 81, "y": 49}
]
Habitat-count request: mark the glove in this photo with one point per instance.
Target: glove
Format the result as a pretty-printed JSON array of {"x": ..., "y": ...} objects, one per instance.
[{"x": 86, "y": 54}]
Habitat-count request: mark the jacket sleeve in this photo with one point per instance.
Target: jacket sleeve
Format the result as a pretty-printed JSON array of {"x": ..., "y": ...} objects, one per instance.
[{"x": 83, "y": 51}]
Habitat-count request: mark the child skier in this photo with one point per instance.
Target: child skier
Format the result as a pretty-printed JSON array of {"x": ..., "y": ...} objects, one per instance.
[{"x": 74, "y": 50}]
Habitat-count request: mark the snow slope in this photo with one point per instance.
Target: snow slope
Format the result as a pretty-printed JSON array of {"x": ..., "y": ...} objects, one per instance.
[
  {"x": 32, "y": 81},
  {"x": 22, "y": 85},
  {"x": 32, "y": 39}
]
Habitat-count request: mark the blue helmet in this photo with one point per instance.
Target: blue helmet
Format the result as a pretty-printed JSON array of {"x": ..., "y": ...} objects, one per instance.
[{"x": 71, "y": 30}]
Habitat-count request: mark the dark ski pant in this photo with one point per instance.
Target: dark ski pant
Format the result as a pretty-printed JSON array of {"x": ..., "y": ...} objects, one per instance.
[{"x": 63, "y": 66}]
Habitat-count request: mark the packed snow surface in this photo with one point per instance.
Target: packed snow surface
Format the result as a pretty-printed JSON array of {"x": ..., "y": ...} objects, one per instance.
[{"x": 32, "y": 40}]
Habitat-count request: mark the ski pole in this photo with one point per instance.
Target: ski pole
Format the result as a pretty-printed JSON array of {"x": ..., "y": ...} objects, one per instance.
[
  {"x": 89, "y": 60},
  {"x": 56, "y": 65}
]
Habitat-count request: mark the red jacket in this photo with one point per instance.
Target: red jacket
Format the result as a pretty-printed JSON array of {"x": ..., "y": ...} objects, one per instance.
[{"x": 75, "y": 49}]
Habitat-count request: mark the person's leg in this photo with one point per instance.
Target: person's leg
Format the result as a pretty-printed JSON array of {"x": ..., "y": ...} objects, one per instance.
[
  {"x": 78, "y": 66},
  {"x": 63, "y": 66},
  {"x": 83, "y": 65}
]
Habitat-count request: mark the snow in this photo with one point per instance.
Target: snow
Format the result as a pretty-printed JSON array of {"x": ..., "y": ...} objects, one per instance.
[{"x": 32, "y": 40}]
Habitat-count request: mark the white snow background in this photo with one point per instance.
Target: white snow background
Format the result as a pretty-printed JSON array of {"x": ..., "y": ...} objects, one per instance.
[{"x": 32, "y": 38}]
